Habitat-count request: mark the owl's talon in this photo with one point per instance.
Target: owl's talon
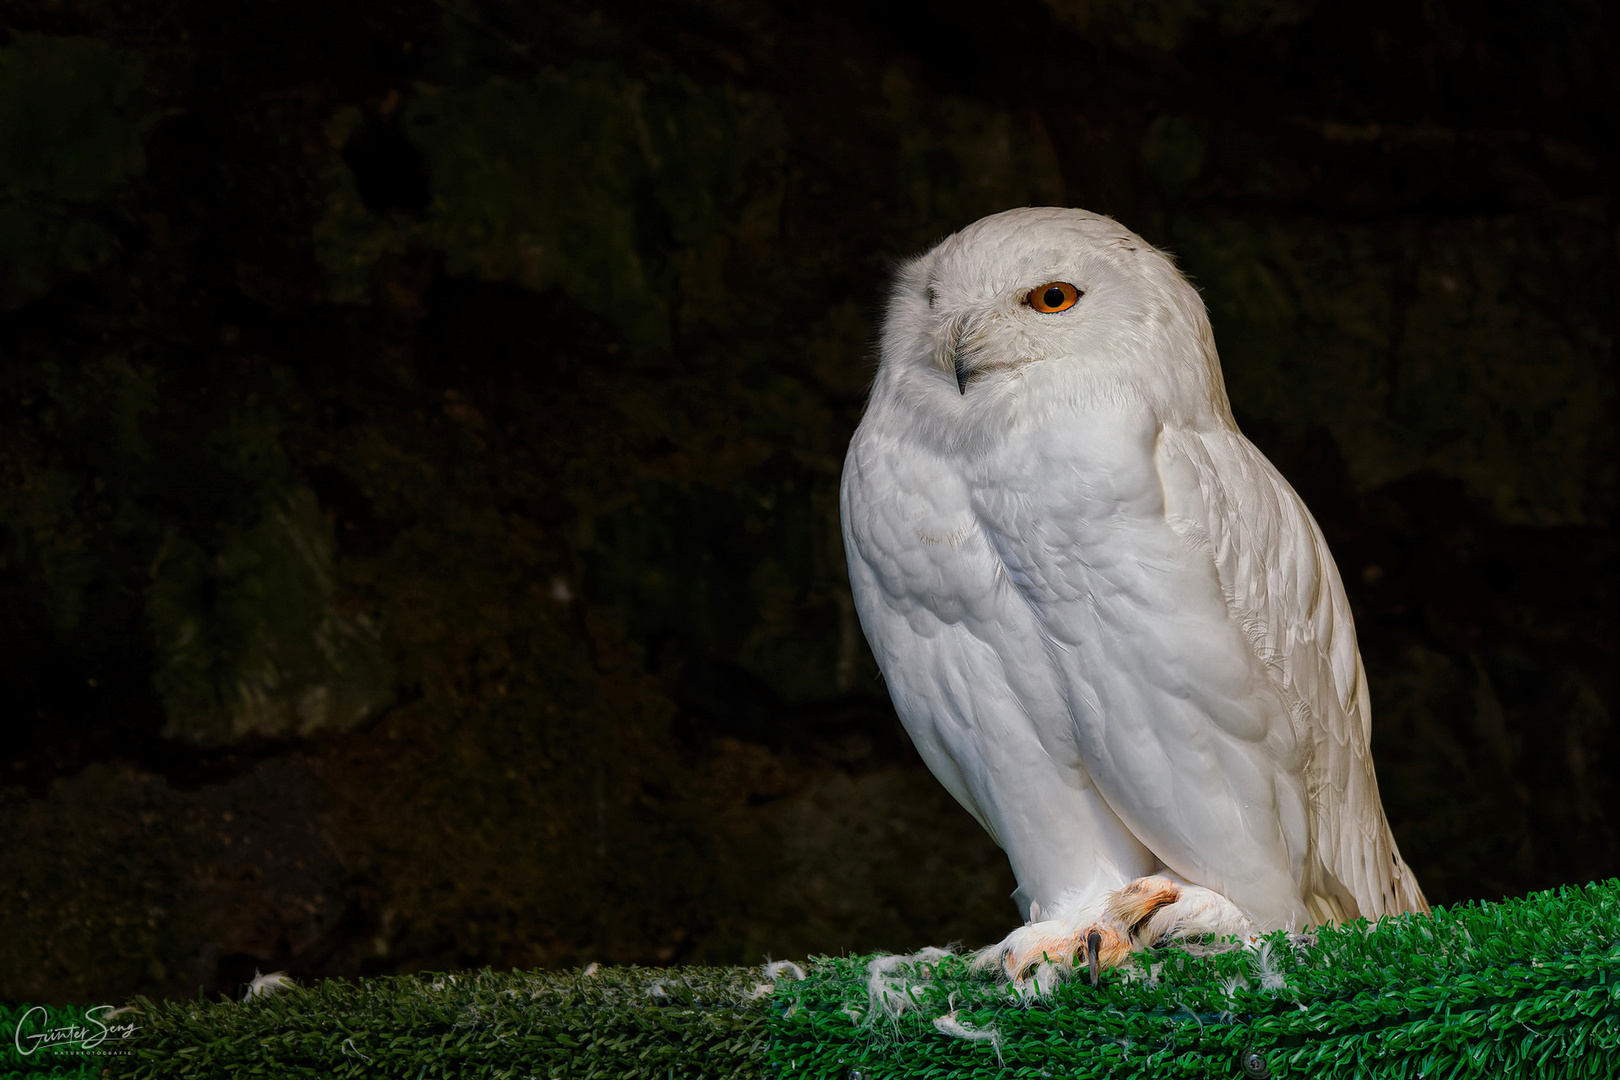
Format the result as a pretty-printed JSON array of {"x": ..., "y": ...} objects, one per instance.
[{"x": 1149, "y": 912}]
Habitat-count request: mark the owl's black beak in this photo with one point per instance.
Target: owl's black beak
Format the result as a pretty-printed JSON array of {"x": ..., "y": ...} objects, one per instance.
[{"x": 949, "y": 354}]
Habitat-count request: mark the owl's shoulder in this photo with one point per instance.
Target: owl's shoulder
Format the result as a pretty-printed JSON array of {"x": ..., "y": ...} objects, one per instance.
[{"x": 1227, "y": 499}]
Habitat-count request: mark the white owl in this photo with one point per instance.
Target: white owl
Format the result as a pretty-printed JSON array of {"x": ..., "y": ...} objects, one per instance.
[{"x": 1111, "y": 628}]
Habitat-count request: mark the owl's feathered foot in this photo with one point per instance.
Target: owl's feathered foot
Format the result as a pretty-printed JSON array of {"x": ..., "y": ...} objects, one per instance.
[{"x": 1099, "y": 935}]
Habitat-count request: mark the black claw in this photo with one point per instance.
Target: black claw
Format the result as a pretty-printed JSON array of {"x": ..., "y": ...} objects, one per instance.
[{"x": 1093, "y": 944}]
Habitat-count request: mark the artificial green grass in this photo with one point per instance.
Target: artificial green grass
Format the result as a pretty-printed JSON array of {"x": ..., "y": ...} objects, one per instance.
[
  {"x": 1525, "y": 987},
  {"x": 616, "y": 1024},
  {"x": 1522, "y": 988}
]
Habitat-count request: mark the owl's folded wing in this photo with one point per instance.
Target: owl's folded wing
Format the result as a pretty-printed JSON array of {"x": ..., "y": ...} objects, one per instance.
[{"x": 1280, "y": 584}]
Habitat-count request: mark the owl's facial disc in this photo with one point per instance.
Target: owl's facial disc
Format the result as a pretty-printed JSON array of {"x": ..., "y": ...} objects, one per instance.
[{"x": 961, "y": 354}]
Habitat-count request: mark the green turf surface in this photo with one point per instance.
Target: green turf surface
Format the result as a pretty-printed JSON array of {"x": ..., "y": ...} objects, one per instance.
[
  {"x": 618, "y": 1023},
  {"x": 1521, "y": 988}
]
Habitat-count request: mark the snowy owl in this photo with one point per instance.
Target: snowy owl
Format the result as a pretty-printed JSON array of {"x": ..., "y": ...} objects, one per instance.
[{"x": 1111, "y": 628}]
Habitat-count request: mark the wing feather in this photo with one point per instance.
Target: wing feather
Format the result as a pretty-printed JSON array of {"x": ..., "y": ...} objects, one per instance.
[{"x": 1282, "y": 587}]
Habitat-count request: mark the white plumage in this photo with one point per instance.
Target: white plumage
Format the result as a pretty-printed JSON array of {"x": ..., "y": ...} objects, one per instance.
[{"x": 1110, "y": 626}]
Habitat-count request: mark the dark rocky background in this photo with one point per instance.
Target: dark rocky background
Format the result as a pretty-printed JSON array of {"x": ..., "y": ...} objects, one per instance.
[{"x": 421, "y": 424}]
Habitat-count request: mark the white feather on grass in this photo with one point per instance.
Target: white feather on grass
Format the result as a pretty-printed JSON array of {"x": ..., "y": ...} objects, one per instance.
[
  {"x": 265, "y": 985},
  {"x": 776, "y": 969},
  {"x": 894, "y": 984},
  {"x": 950, "y": 1025}
]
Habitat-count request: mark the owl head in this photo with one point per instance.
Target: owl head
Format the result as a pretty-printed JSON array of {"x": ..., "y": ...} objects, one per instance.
[{"x": 1046, "y": 308}]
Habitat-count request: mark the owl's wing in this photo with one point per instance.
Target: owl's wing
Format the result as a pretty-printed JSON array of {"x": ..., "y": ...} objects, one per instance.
[
  {"x": 1280, "y": 584},
  {"x": 1179, "y": 723},
  {"x": 1191, "y": 612}
]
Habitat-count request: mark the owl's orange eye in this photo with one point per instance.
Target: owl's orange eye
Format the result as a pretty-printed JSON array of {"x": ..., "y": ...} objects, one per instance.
[{"x": 1053, "y": 296}]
